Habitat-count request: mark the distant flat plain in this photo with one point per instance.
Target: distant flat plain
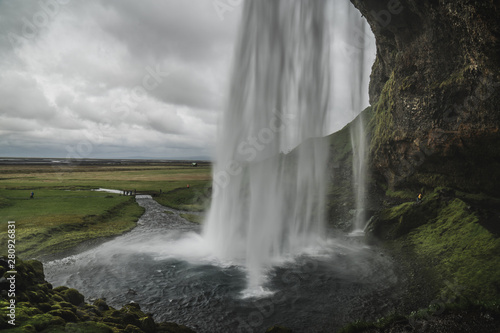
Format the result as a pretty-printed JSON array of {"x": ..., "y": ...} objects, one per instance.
[{"x": 66, "y": 212}]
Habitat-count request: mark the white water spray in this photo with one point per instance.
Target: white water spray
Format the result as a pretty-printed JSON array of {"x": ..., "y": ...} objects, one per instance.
[{"x": 266, "y": 206}]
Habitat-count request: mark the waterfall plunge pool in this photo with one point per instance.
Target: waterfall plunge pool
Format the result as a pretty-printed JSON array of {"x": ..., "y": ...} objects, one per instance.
[{"x": 164, "y": 265}]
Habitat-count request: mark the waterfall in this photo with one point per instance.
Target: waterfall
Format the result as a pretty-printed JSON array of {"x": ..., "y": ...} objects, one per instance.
[
  {"x": 354, "y": 44},
  {"x": 359, "y": 171},
  {"x": 269, "y": 179},
  {"x": 266, "y": 204},
  {"x": 358, "y": 135}
]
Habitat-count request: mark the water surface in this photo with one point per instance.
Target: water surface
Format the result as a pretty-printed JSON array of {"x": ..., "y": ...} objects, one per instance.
[{"x": 164, "y": 265}]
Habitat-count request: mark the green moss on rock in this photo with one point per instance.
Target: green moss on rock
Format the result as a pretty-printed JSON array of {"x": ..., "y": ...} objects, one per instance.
[
  {"x": 73, "y": 296},
  {"x": 41, "y": 308},
  {"x": 445, "y": 232},
  {"x": 67, "y": 315},
  {"x": 464, "y": 250},
  {"x": 87, "y": 327},
  {"x": 101, "y": 305},
  {"x": 382, "y": 123}
]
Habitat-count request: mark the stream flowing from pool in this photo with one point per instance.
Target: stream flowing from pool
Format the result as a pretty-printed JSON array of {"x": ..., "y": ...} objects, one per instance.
[{"x": 165, "y": 265}]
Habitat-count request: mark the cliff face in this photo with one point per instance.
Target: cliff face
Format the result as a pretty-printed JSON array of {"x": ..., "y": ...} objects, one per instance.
[
  {"x": 434, "y": 124},
  {"x": 435, "y": 90}
]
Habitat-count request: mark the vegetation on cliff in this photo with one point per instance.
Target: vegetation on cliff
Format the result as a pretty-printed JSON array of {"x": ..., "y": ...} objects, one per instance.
[
  {"x": 448, "y": 250},
  {"x": 450, "y": 233}
]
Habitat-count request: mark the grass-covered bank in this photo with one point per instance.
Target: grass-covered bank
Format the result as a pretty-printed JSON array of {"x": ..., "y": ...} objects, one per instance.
[
  {"x": 195, "y": 198},
  {"x": 65, "y": 212},
  {"x": 448, "y": 250},
  {"x": 45, "y": 227}
]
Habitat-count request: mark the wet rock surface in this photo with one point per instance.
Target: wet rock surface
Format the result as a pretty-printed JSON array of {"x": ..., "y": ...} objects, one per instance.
[{"x": 435, "y": 90}]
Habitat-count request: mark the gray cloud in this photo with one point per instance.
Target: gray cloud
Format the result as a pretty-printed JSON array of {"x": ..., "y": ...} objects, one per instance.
[
  {"x": 14, "y": 90},
  {"x": 124, "y": 77},
  {"x": 74, "y": 72}
]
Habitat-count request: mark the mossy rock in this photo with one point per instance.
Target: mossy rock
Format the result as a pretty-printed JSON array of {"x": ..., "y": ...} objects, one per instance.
[
  {"x": 147, "y": 324},
  {"x": 60, "y": 289},
  {"x": 84, "y": 315},
  {"x": 132, "y": 314},
  {"x": 37, "y": 296},
  {"x": 445, "y": 235},
  {"x": 73, "y": 296},
  {"x": 45, "y": 307},
  {"x": 41, "y": 322},
  {"x": 118, "y": 321},
  {"x": 37, "y": 269},
  {"x": 58, "y": 298},
  {"x": 21, "y": 296},
  {"x": 101, "y": 305},
  {"x": 132, "y": 308},
  {"x": 41, "y": 308},
  {"x": 67, "y": 315},
  {"x": 66, "y": 305},
  {"x": 29, "y": 273},
  {"x": 399, "y": 220},
  {"x": 130, "y": 318},
  {"x": 25, "y": 312},
  {"x": 132, "y": 329},
  {"x": 464, "y": 253},
  {"x": 87, "y": 327},
  {"x": 46, "y": 287}
]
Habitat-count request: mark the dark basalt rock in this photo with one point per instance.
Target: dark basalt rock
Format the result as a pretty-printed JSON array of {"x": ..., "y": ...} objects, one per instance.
[{"x": 435, "y": 90}]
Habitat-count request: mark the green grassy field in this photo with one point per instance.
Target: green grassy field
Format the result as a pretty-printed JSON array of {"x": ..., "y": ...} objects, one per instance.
[{"x": 65, "y": 212}]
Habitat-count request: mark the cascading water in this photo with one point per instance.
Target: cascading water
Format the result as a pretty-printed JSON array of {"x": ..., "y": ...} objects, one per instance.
[
  {"x": 266, "y": 206},
  {"x": 358, "y": 135},
  {"x": 354, "y": 52}
]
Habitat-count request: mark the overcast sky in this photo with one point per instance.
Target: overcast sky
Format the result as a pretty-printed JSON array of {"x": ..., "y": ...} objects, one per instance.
[{"x": 114, "y": 79}]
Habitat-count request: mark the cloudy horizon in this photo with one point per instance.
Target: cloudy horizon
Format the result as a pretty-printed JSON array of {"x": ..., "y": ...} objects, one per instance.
[{"x": 114, "y": 79}]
